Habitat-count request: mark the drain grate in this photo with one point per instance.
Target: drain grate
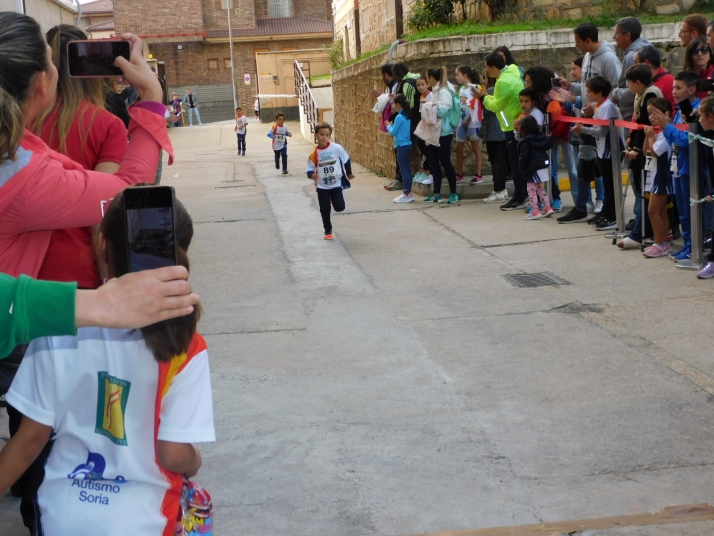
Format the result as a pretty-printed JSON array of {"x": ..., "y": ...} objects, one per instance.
[{"x": 542, "y": 279}]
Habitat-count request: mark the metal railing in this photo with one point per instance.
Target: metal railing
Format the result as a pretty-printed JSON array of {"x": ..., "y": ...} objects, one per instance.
[{"x": 307, "y": 99}]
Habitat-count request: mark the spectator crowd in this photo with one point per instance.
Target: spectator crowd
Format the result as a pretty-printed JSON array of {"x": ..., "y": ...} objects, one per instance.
[{"x": 528, "y": 118}]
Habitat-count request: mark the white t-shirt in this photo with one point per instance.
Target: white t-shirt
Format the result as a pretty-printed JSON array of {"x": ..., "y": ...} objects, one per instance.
[
  {"x": 662, "y": 150},
  {"x": 103, "y": 393},
  {"x": 280, "y": 136},
  {"x": 329, "y": 164},
  {"x": 241, "y": 122}
]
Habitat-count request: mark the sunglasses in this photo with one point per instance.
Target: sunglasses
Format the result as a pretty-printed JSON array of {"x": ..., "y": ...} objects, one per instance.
[{"x": 703, "y": 50}]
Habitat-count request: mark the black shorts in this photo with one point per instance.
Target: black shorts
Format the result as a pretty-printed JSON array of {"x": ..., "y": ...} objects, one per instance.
[{"x": 588, "y": 170}]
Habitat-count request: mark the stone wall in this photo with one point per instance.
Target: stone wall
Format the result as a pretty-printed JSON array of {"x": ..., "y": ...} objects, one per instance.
[{"x": 357, "y": 128}]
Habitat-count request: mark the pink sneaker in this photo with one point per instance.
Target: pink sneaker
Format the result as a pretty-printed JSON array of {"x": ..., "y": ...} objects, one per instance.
[
  {"x": 657, "y": 250},
  {"x": 549, "y": 212},
  {"x": 534, "y": 216},
  {"x": 459, "y": 178}
]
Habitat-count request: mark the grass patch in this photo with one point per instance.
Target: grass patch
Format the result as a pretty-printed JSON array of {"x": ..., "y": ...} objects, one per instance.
[
  {"x": 364, "y": 56},
  {"x": 479, "y": 28},
  {"x": 320, "y": 77}
]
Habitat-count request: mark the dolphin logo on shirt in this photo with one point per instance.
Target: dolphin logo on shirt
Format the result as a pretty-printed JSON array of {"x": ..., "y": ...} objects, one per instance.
[{"x": 93, "y": 469}]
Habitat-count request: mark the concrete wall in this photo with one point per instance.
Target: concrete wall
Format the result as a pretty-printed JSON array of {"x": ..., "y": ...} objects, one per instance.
[
  {"x": 357, "y": 128},
  {"x": 48, "y": 13}
]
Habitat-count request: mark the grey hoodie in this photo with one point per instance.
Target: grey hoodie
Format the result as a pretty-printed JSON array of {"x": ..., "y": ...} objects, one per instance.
[
  {"x": 624, "y": 97},
  {"x": 604, "y": 62}
]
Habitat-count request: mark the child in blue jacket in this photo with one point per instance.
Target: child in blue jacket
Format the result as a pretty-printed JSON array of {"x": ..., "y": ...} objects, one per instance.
[
  {"x": 685, "y": 88},
  {"x": 400, "y": 129}
]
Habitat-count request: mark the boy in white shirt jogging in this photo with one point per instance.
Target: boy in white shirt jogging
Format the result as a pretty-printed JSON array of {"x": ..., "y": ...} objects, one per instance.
[
  {"x": 121, "y": 408},
  {"x": 241, "y": 130},
  {"x": 279, "y": 134},
  {"x": 329, "y": 167}
]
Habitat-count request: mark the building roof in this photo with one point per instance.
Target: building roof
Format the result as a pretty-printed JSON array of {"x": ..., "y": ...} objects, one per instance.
[
  {"x": 107, "y": 25},
  {"x": 98, "y": 6},
  {"x": 277, "y": 26}
]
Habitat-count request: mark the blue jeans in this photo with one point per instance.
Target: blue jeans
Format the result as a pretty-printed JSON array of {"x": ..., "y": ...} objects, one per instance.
[
  {"x": 241, "y": 142},
  {"x": 190, "y": 115},
  {"x": 404, "y": 157},
  {"x": 681, "y": 195},
  {"x": 284, "y": 154}
]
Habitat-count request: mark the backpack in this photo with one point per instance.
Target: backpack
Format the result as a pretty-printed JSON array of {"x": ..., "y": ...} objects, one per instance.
[
  {"x": 559, "y": 130},
  {"x": 453, "y": 116}
]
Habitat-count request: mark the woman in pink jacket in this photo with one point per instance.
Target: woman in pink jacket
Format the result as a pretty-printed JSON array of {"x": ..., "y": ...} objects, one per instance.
[{"x": 40, "y": 189}]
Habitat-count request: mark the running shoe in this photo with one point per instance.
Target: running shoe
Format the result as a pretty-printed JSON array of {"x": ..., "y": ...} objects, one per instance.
[
  {"x": 707, "y": 272},
  {"x": 497, "y": 197},
  {"x": 404, "y": 198},
  {"x": 594, "y": 220},
  {"x": 534, "y": 216},
  {"x": 459, "y": 178},
  {"x": 574, "y": 216},
  {"x": 429, "y": 180},
  {"x": 605, "y": 225},
  {"x": 433, "y": 198},
  {"x": 681, "y": 255},
  {"x": 285, "y": 172},
  {"x": 393, "y": 186},
  {"x": 514, "y": 204},
  {"x": 329, "y": 236},
  {"x": 453, "y": 199},
  {"x": 657, "y": 250},
  {"x": 557, "y": 205},
  {"x": 548, "y": 213},
  {"x": 478, "y": 179}
]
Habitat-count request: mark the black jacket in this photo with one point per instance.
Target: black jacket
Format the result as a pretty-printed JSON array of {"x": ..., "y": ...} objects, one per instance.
[{"x": 533, "y": 153}]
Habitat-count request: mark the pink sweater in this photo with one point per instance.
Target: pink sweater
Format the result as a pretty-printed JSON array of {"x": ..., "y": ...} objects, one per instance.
[{"x": 42, "y": 190}]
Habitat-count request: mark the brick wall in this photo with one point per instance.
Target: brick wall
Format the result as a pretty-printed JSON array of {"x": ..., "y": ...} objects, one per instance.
[
  {"x": 313, "y": 9},
  {"x": 189, "y": 65},
  {"x": 216, "y": 18},
  {"x": 179, "y": 16},
  {"x": 357, "y": 128}
]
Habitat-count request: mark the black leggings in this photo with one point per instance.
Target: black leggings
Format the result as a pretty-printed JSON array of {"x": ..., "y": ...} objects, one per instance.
[
  {"x": 498, "y": 156},
  {"x": 328, "y": 200},
  {"x": 442, "y": 154},
  {"x": 424, "y": 162},
  {"x": 609, "y": 211}
]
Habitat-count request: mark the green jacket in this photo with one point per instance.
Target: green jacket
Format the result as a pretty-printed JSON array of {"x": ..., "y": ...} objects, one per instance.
[
  {"x": 505, "y": 101},
  {"x": 31, "y": 309}
]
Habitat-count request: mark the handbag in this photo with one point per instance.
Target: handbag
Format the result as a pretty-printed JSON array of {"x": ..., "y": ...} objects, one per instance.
[
  {"x": 196, "y": 511},
  {"x": 381, "y": 104}
]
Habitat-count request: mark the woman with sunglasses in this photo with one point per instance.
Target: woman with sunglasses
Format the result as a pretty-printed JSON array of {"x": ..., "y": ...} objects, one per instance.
[{"x": 698, "y": 58}]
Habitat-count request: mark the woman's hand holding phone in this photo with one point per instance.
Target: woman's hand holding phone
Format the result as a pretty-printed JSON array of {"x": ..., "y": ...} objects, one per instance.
[{"x": 137, "y": 72}]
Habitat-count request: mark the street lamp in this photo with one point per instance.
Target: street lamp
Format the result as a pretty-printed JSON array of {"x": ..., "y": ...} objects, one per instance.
[{"x": 229, "y": 8}]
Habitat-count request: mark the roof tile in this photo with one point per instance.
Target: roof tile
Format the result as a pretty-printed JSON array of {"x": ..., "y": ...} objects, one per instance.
[
  {"x": 101, "y": 26},
  {"x": 278, "y": 26},
  {"x": 98, "y": 6}
]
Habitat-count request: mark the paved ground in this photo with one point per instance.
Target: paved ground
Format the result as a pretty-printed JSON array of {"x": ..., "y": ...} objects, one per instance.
[{"x": 393, "y": 382}]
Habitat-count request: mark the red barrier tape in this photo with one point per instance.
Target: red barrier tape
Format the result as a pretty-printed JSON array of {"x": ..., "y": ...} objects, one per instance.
[{"x": 605, "y": 122}]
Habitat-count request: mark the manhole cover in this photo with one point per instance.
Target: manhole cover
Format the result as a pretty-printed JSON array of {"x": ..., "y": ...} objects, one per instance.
[{"x": 542, "y": 279}]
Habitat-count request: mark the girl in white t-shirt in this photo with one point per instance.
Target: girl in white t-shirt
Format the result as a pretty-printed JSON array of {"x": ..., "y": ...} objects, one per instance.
[{"x": 122, "y": 409}]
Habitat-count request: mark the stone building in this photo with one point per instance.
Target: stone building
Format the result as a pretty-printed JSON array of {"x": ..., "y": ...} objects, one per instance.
[
  {"x": 98, "y": 18},
  {"x": 191, "y": 37}
]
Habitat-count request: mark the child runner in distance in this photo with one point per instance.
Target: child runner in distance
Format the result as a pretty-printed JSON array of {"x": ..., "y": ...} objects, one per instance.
[
  {"x": 534, "y": 163},
  {"x": 424, "y": 175},
  {"x": 685, "y": 89},
  {"x": 658, "y": 179},
  {"x": 122, "y": 407},
  {"x": 598, "y": 91},
  {"x": 240, "y": 130},
  {"x": 400, "y": 130},
  {"x": 326, "y": 166},
  {"x": 467, "y": 130},
  {"x": 279, "y": 134}
]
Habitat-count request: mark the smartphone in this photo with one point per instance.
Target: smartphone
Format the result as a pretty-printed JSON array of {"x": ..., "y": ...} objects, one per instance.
[
  {"x": 95, "y": 58},
  {"x": 150, "y": 229},
  {"x": 685, "y": 107},
  {"x": 555, "y": 82},
  {"x": 705, "y": 85}
]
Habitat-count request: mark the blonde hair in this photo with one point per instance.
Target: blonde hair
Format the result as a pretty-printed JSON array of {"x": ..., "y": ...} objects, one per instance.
[
  {"x": 23, "y": 55},
  {"x": 71, "y": 92}
]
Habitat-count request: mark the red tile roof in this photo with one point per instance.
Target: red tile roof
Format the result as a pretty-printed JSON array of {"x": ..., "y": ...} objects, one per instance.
[
  {"x": 278, "y": 26},
  {"x": 98, "y": 6},
  {"x": 101, "y": 26}
]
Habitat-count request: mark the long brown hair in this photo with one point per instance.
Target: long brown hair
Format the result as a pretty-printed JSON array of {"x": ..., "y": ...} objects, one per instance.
[
  {"x": 697, "y": 42},
  {"x": 71, "y": 92},
  {"x": 171, "y": 337},
  {"x": 23, "y": 54}
]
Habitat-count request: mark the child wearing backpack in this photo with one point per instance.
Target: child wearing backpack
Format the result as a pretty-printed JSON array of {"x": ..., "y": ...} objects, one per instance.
[
  {"x": 449, "y": 111},
  {"x": 278, "y": 133},
  {"x": 121, "y": 408}
]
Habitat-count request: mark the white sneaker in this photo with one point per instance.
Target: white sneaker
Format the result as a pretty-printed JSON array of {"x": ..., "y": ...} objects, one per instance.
[
  {"x": 590, "y": 208},
  {"x": 497, "y": 197},
  {"x": 598, "y": 207},
  {"x": 404, "y": 198},
  {"x": 420, "y": 177},
  {"x": 503, "y": 195},
  {"x": 429, "y": 180}
]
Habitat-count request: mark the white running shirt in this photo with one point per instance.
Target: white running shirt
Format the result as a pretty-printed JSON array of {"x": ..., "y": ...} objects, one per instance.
[{"x": 100, "y": 391}]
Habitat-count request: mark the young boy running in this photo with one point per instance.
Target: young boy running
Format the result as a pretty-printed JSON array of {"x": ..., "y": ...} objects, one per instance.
[
  {"x": 278, "y": 133},
  {"x": 329, "y": 167},
  {"x": 685, "y": 89}
]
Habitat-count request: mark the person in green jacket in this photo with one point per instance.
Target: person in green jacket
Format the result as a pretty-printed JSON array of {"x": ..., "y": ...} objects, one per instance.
[
  {"x": 505, "y": 103},
  {"x": 31, "y": 309}
]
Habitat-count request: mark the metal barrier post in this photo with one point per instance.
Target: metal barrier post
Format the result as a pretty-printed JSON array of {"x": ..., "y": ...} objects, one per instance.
[
  {"x": 617, "y": 179},
  {"x": 697, "y": 260}
]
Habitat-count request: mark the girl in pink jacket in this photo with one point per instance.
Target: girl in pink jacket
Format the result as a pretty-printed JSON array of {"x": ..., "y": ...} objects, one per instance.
[{"x": 40, "y": 189}]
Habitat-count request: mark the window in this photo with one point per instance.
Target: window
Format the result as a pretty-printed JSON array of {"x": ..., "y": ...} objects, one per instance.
[
  {"x": 280, "y": 8},
  {"x": 227, "y": 63},
  {"x": 213, "y": 64}
]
